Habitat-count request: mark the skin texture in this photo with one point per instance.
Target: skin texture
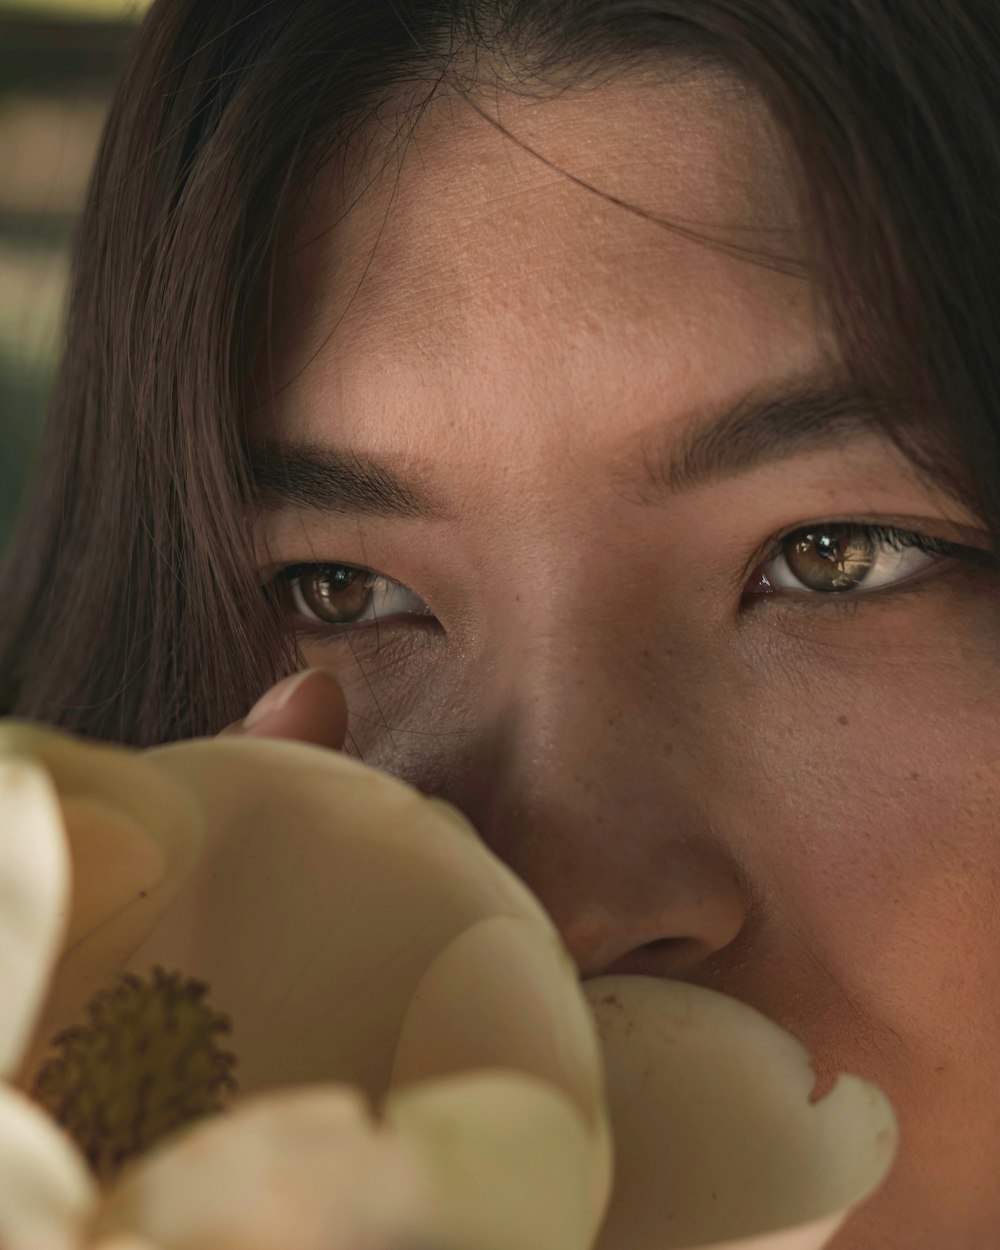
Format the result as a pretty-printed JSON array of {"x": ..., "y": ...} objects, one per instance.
[{"x": 783, "y": 797}]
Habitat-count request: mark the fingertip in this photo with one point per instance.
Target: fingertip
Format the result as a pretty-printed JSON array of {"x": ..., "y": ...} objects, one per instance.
[{"x": 308, "y": 706}]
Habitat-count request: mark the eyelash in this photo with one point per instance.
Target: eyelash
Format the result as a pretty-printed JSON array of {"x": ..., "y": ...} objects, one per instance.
[{"x": 286, "y": 579}]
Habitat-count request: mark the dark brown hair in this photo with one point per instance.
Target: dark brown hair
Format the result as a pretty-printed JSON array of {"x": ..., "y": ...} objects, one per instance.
[{"x": 130, "y": 606}]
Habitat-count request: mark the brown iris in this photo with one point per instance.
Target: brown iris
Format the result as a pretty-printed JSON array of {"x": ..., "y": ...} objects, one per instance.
[
  {"x": 335, "y": 593},
  {"x": 839, "y": 557}
]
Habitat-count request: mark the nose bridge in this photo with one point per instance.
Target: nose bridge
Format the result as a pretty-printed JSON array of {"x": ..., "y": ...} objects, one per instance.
[
  {"x": 591, "y": 799},
  {"x": 586, "y": 656},
  {"x": 584, "y": 726},
  {"x": 573, "y": 698},
  {"x": 583, "y": 672}
]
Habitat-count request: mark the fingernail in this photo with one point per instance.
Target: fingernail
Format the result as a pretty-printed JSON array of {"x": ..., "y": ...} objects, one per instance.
[{"x": 277, "y": 697}]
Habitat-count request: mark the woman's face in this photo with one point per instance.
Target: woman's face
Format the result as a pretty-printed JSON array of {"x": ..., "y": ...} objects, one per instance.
[{"x": 625, "y": 619}]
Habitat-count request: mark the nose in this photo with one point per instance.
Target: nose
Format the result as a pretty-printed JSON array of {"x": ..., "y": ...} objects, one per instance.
[
  {"x": 613, "y": 835},
  {"x": 692, "y": 910},
  {"x": 640, "y": 896}
]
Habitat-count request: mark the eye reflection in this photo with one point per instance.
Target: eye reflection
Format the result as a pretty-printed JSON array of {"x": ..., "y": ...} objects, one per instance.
[
  {"x": 333, "y": 594},
  {"x": 834, "y": 557},
  {"x": 823, "y": 560}
]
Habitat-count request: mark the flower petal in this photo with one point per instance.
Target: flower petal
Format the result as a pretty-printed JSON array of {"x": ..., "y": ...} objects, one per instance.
[
  {"x": 717, "y": 1143},
  {"x": 45, "y": 1189},
  {"x": 509, "y": 1160},
  {"x": 132, "y": 834},
  {"x": 34, "y": 896},
  {"x": 304, "y": 1168},
  {"x": 114, "y": 859},
  {"x": 506, "y": 995},
  {"x": 325, "y": 891},
  {"x": 125, "y": 1242}
]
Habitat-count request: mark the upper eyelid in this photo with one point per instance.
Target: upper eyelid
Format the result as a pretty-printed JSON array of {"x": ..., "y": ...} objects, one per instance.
[
  {"x": 770, "y": 547},
  {"x": 947, "y": 547},
  {"x": 288, "y": 572},
  {"x": 922, "y": 527}
]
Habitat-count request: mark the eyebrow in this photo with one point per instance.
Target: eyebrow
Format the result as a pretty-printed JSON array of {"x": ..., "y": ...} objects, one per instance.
[
  {"x": 811, "y": 412},
  {"x": 324, "y": 479}
]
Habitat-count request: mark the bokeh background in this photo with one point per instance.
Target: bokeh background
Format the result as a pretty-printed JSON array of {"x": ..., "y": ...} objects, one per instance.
[{"x": 59, "y": 61}]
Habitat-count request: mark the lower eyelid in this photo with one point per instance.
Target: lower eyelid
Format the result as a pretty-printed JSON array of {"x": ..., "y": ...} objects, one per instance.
[
  {"x": 816, "y": 603},
  {"x": 921, "y": 562},
  {"x": 396, "y": 638}
]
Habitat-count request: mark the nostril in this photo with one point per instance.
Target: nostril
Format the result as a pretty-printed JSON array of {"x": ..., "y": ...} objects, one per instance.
[
  {"x": 667, "y": 921},
  {"x": 662, "y": 957}
]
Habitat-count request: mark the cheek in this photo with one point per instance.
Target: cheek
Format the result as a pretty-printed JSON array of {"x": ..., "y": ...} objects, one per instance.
[{"x": 876, "y": 771}]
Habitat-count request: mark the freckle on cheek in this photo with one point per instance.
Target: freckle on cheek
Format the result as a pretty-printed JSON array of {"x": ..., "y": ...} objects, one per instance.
[{"x": 842, "y": 720}]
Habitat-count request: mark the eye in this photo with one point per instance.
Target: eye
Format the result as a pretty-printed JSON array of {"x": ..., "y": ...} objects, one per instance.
[
  {"x": 837, "y": 557},
  {"x": 334, "y": 598}
]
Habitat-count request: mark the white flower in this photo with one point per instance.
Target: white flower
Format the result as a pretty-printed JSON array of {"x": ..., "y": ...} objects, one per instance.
[
  {"x": 522, "y": 1120},
  {"x": 360, "y": 935}
]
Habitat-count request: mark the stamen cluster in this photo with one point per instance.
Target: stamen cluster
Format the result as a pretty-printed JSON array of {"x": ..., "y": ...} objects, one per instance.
[{"x": 147, "y": 1062}]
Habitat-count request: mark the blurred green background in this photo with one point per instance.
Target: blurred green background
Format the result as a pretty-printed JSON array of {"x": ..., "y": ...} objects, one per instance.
[{"x": 59, "y": 60}]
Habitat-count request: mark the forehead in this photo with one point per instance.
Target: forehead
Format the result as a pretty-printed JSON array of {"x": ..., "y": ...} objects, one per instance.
[{"x": 443, "y": 246}]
